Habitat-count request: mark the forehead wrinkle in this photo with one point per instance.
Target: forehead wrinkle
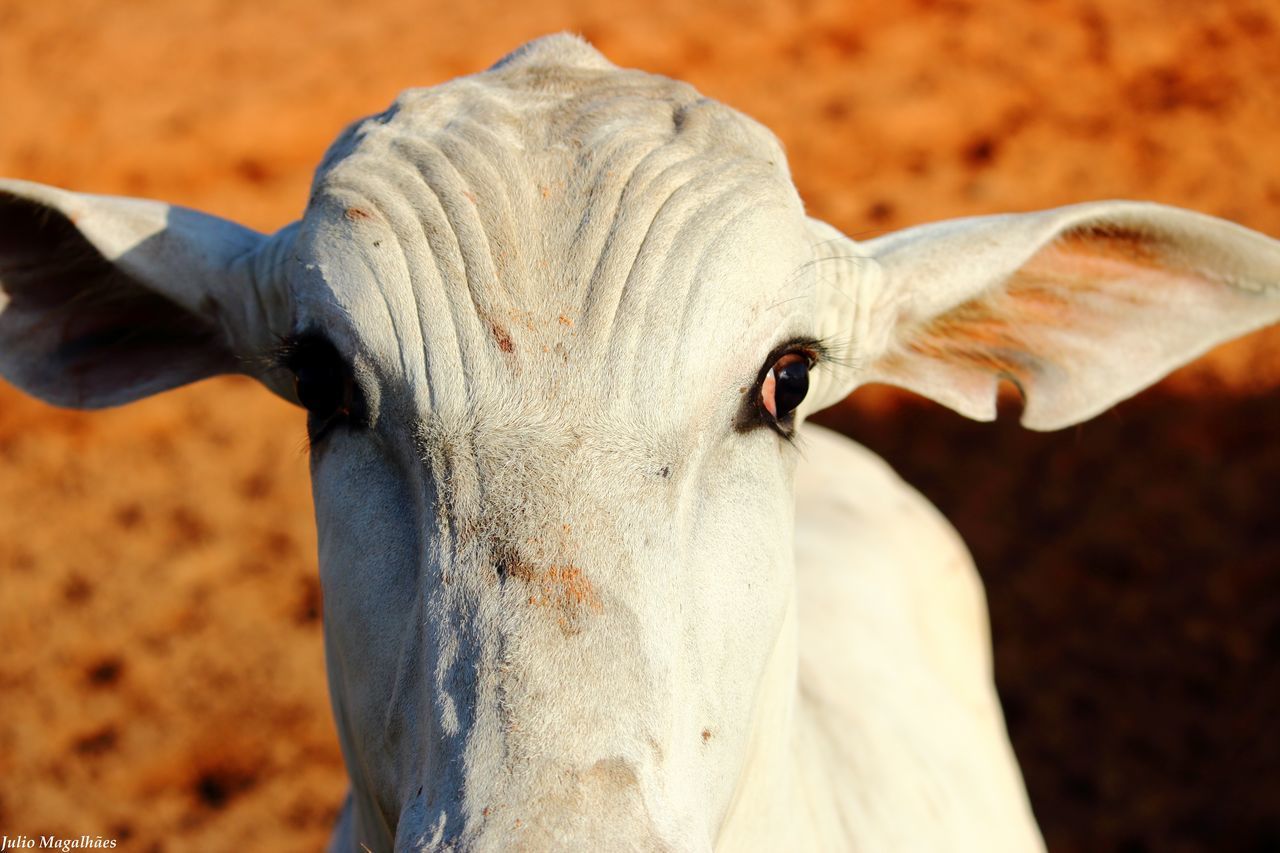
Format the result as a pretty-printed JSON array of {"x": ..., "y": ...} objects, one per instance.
[
  {"x": 659, "y": 175},
  {"x": 421, "y": 265},
  {"x": 466, "y": 284},
  {"x": 490, "y": 183},
  {"x": 431, "y": 171},
  {"x": 605, "y": 201},
  {"x": 661, "y": 266},
  {"x": 459, "y": 358},
  {"x": 580, "y": 180},
  {"x": 454, "y": 170},
  {"x": 392, "y": 218},
  {"x": 618, "y": 131},
  {"x": 394, "y": 312},
  {"x": 698, "y": 281}
]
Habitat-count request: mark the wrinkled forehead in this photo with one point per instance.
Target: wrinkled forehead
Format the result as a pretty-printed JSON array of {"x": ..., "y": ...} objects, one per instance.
[{"x": 555, "y": 212}]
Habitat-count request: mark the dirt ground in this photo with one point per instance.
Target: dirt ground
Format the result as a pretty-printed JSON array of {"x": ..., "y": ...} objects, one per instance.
[{"x": 161, "y": 673}]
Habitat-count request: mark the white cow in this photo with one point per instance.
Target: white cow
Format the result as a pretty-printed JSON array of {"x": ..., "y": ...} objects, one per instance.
[{"x": 557, "y": 326}]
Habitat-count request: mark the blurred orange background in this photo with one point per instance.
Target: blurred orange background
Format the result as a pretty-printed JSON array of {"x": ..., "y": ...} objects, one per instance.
[{"x": 161, "y": 671}]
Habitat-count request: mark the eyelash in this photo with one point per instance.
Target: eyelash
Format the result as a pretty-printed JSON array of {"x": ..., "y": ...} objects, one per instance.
[
  {"x": 817, "y": 351},
  {"x": 290, "y": 354}
]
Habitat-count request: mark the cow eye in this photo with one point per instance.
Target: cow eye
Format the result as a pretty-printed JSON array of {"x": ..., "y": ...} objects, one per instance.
[
  {"x": 322, "y": 389},
  {"x": 785, "y": 385},
  {"x": 322, "y": 381}
]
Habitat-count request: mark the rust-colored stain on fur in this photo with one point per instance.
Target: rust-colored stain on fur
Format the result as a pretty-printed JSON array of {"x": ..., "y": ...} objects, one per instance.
[
  {"x": 564, "y": 590},
  {"x": 565, "y": 587},
  {"x": 355, "y": 214},
  {"x": 502, "y": 336}
]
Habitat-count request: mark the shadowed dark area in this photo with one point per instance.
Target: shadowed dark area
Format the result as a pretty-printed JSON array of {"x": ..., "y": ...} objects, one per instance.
[
  {"x": 68, "y": 306},
  {"x": 1131, "y": 567}
]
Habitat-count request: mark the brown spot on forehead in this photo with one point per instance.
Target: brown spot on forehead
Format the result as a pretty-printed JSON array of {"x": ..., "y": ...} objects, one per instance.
[
  {"x": 502, "y": 336},
  {"x": 355, "y": 214}
]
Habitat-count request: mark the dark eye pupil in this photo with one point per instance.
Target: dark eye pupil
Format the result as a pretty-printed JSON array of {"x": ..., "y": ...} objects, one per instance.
[
  {"x": 321, "y": 378},
  {"x": 792, "y": 384},
  {"x": 321, "y": 389}
]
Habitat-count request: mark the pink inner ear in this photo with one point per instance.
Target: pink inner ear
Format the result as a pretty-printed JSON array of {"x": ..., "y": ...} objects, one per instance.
[
  {"x": 1083, "y": 284},
  {"x": 1094, "y": 316},
  {"x": 767, "y": 391}
]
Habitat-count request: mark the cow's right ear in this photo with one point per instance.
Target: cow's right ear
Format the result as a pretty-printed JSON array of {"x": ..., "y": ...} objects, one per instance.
[{"x": 106, "y": 300}]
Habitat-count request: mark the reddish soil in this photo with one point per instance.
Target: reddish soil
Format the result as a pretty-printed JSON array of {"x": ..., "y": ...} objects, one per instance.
[{"x": 161, "y": 673}]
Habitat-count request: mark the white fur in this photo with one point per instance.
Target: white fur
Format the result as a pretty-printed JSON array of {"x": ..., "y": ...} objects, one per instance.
[{"x": 565, "y": 606}]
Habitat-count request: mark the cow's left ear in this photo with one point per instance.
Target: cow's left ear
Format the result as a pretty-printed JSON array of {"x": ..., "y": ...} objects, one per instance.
[
  {"x": 1079, "y": 307},
  {"x": 105, "y": 300}
]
